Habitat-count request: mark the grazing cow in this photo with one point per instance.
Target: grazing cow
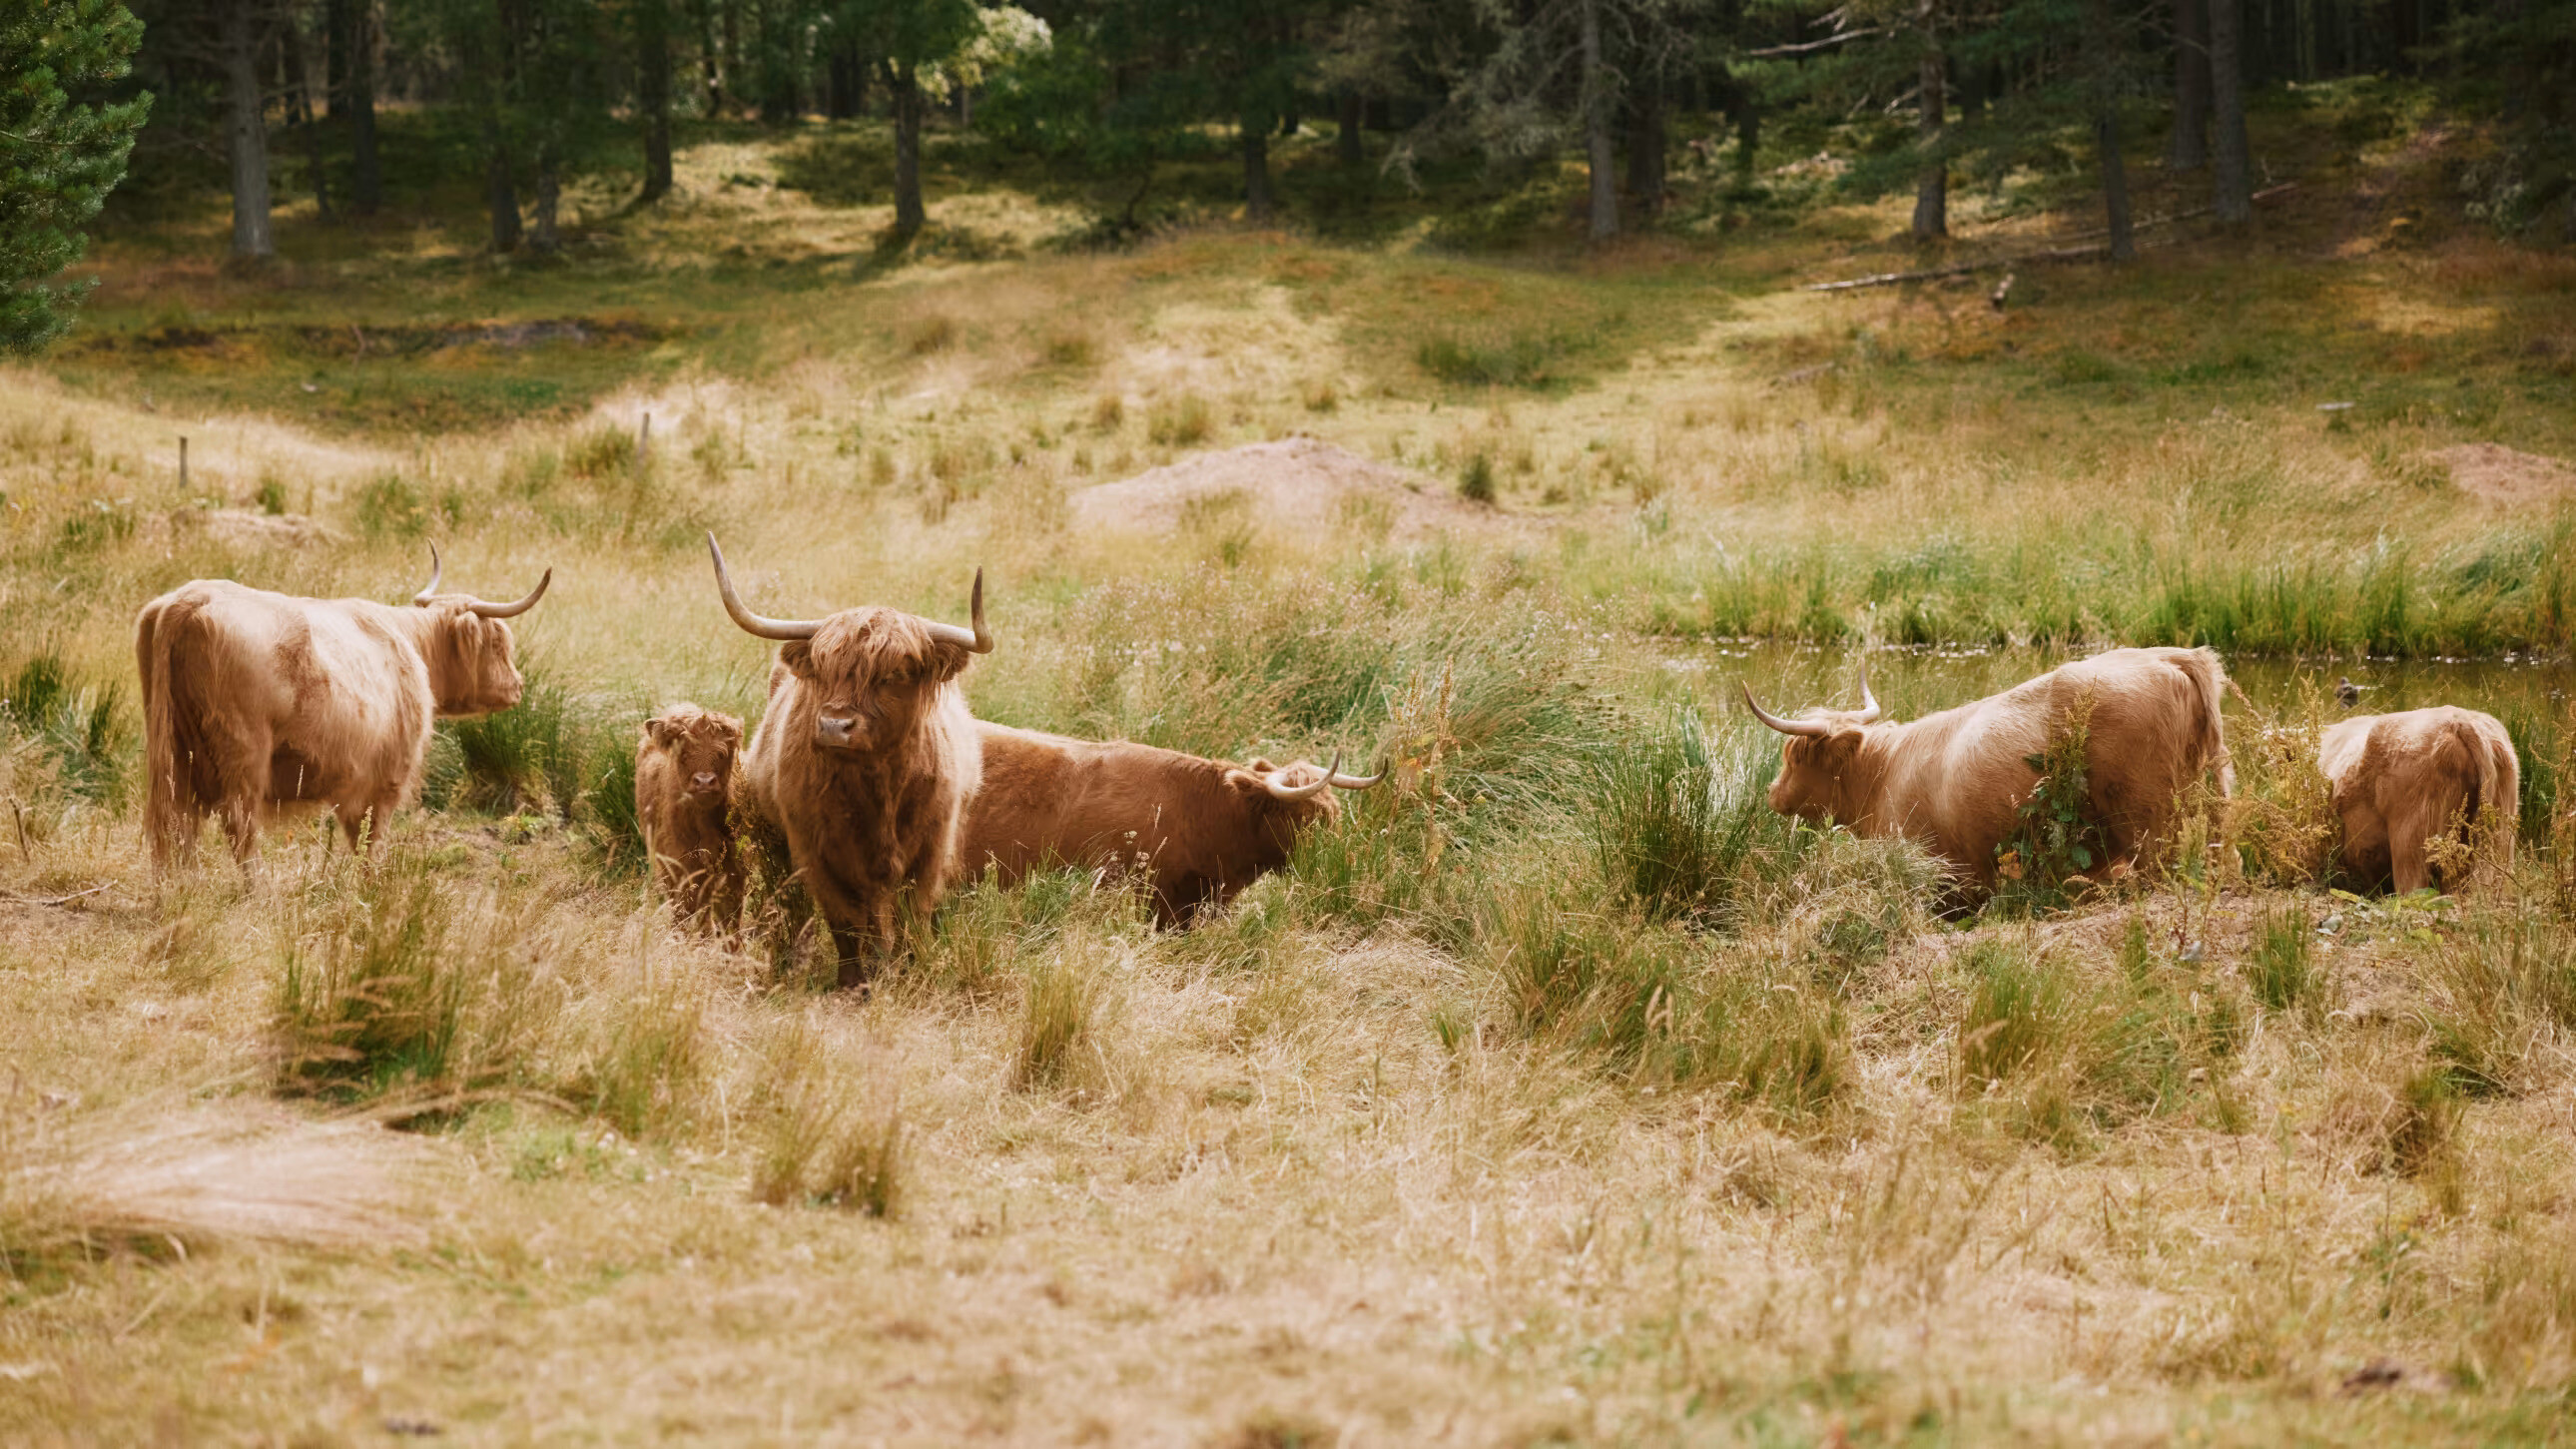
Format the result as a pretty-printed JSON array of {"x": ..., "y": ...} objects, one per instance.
[
  {"x": 1955, "y": 780},
  {"x": 864, "y": 760},
  {"x": 258, "y": 704},
  {"x": 1199, "y": 829},
  {"x": 2403, "y": 780},
  {"x": 683, "y": 792}
]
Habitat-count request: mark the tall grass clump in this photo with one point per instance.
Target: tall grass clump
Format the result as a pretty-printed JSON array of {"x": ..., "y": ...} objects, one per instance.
[
  {"x": 2282, "y": 969},
  {"x": 2281, "y": 823},
  {"x": 650, "y": 1050},
  {"x": 828, "y": 1141},
  {"x": 1058, "y": 1045},
  {"x": 78, "y": 730},
  {"x": 2503, "y": 993},
  {"x": 391, "y": 980},
  {"x": 1653, "y": 1004},
  {"x": 1681, "y": 827},
  {"x": 2055, "y": 840},
  {"x": 2057, "y": 1053}
]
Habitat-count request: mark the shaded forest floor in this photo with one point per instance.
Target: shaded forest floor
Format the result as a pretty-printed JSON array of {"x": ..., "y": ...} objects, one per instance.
[{"x": 1474, "y": 1126}]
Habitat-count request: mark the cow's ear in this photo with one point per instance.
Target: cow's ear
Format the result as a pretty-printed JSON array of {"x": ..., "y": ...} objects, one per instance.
[
  {"x": 1260, "y": 766},
  {"x": 659, "y": 729},
  {"x": 1247, "y": 784},
  {"x": 798, "y": 656}
]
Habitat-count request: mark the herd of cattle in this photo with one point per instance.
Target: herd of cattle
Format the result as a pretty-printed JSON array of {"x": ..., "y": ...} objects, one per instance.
[{"x": 884, "y": 790}]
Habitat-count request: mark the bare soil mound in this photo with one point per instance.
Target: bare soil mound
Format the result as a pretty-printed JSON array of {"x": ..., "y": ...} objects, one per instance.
[
  {"x": 1292, "y": 483},
  {"x": 2500, "y": 475}
]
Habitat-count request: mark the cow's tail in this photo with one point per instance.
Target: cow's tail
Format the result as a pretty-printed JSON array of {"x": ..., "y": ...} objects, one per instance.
[
  {"x": 2209, "y": 726},
  {"x": 2495, "y": 787},
  {"x": 172, "y": 722}
]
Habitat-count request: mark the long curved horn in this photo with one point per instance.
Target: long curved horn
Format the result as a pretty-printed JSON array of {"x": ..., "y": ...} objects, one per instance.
[
  {"x": 437, "y": 571},
  {"x": 1812, "y": 728},
  {"x": 1869, "y": 709},
  {"x": 1300, "y": 792},
  {"x": 749, "y": 622},
  {"x": 978, "y": 640},
  {"x": 512, "y": 611},
  {"x": 1354, "y": 782}
]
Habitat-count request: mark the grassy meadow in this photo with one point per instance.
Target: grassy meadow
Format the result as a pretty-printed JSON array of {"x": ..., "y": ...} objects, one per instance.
[{"x": 1560, "y": 1092}]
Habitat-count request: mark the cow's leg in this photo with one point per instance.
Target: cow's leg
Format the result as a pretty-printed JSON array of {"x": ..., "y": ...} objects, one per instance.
[{"x": 2413, "y": 827}]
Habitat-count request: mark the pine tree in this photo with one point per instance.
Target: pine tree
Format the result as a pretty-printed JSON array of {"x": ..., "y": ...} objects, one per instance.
[{"x": 58, "y": 159}]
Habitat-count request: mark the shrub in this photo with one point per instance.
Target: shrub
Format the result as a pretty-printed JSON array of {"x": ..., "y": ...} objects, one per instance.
[
  {"x": 1686, "y": 833},
  {"x": 1180, "y": 422},
  {"x": 392, "y": 506},
  {"x": 2054, "y": 837},
  {"x": 80, "y": 730},
  {"x": 1476, "y": 480}
]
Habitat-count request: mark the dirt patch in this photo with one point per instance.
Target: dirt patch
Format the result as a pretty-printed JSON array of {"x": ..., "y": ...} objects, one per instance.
[
  {"x": 240, "y": 528},
  {"x": 2499, "y": 475},
  {"x": 1291, "y": 483}
]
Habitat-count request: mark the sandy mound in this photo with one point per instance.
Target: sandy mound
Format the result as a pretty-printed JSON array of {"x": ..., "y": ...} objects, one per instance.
[
  {"x": 2499, "y": 475},
  {"x": 243, "y": 529},
  {"x": 1292, "y": 483}
]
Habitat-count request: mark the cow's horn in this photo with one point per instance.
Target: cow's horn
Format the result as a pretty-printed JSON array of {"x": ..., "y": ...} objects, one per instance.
[
  {"x": 978, "y": 640},
  {"x": 511, "y": 611},
  {"x": 1812, "y": 728},
  {"x": 751, "y": 623},
  {"x": 437, "y": 571},
  {"x": 1354, "y": 782},
  {"x": 1869, "y": 709},
  {"x": 1300, "y": 792}
]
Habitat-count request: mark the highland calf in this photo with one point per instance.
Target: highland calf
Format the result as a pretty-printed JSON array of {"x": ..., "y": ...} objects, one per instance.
[
  {"x": 1956, "y": 780},
  {"x": 1198, "y": 830},
  {"x": 864, "y": 761},
  {"x": 683, "y": 794},
  {"x": 258, "y": 704},
  {"x": 2405, "y": 781}
]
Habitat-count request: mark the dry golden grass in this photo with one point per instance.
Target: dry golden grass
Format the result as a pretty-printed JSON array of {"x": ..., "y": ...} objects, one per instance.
[{"x": 1344, "y": 1163}]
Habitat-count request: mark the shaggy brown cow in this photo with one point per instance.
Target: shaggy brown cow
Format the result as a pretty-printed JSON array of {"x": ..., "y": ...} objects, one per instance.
[
  {"x": 1200, "y": 829},
  {"x": 1955, "y": 780},
  {"x": 864, "y": 760},
  {"x": 683, "y": 791},
  {"x": 2402, "y": 781},
  {"x": 258, "y": 704}
]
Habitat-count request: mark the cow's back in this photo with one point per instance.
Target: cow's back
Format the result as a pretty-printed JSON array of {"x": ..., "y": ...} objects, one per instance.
[{"x": 2398, "y": 779}]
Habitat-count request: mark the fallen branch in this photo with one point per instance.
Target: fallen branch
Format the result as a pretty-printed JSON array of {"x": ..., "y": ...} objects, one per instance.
[
  {"x": 2053, "y": 254},
  {"x": 1775, "y": 51},
  {"x": 19, "y": 900}
]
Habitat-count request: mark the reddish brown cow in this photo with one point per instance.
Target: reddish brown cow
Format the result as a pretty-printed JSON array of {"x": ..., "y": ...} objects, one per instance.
[
  {"x": 683, "y": 792},
  {"x": 258, "y": 704},
  {"x": 1956, "y": 779},
  {"x": 864, "y": 760},
  {"x": 2402, "y": 781},
  {"x": 1200, "y": 829}
]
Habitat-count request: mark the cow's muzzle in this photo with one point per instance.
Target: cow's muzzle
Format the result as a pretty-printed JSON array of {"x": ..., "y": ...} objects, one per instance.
[
  {"x": 835, "y": 732},
  {"x": 704, "y": 782}
]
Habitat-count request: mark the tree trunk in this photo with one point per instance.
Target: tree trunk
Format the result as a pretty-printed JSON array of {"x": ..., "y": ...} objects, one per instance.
[
  {"x": 498, "y": 191},
  {"x": 2188, "y": 148},
  {"x": 366, "y": 173},
  {"x": 1596, "y": 128},
  {"x": 653, "y": 92},
  {"x": 1256, "y": 169},
  {"x": 2099, "y": 39},
  {"x": 1646, "y": 145},
  {"x": 1347, "y": 117},
  {"x": 543, "y": 237},
  {"x": 2231, "y": 166},
  {"x": 1970, "y": 82},
  {"x": 299, "y": 81},
  {"x": 246, "y": 132},
  {"x": 733, "y": 66},
  {"x": 1748, "y": 127},
  {"x": 710, "y": 68},
  {"x": 909, "y": 215},
  {"x": 1932, "y": 183}
]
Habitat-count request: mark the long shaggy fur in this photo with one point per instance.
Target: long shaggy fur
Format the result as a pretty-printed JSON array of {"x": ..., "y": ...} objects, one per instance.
[
  {"x": 2402, "y": 781},
  {"x": 684, "y": 769},
  {"x": 1955, "y": 780},
  {"x": 257, "y": 704},
  {"x": 871, "y": 825},
  {"x": 1199, "y": 829}
]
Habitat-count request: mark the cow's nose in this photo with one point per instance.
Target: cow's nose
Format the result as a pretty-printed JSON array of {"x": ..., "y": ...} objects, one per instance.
[
  {"x": 832, "y": 731},
  {"x": 703, "y": 779}
]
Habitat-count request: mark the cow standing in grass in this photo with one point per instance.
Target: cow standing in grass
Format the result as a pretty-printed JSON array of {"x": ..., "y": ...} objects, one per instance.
[
  {"x": 1956, "y": 780},
  {"x": 864, "y": 761},
  {"x": 2404, "y": 781},
  {"x": 257, "y": 704},
  {"x": 683, "y": 794},
  {"x": 1198, "y": 830}
]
